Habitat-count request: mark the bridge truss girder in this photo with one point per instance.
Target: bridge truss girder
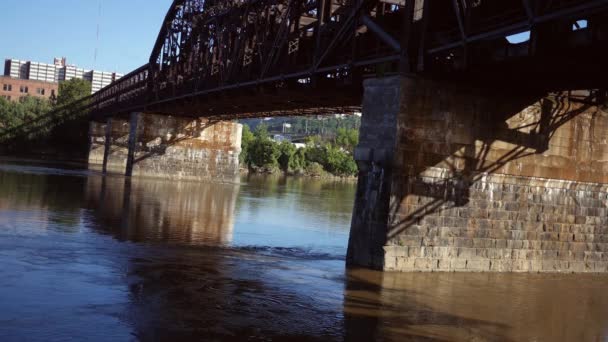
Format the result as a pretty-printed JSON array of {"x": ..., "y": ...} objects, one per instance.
[{"x": 253, "y": 57}]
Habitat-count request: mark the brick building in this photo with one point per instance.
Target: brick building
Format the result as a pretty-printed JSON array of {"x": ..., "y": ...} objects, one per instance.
[{"x": 14, "y": 88}]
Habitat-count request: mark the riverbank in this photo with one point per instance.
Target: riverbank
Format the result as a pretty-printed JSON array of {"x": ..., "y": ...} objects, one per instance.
[{"x": 303, "y": 174}]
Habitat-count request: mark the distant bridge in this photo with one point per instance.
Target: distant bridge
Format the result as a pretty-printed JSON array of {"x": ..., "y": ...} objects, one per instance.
[{"x": 244, "y": 58}]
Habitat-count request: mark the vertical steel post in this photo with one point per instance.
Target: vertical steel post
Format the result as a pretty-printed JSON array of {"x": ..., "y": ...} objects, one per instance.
[
  {"x": 107, "y": 145},
  {"x": 132, "y": 143}
]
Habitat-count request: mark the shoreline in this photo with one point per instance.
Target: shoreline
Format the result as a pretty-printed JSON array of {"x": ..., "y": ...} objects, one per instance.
[{"x": 280, "y": 173}]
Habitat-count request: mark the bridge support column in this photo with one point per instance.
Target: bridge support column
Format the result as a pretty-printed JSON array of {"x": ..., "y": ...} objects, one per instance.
[
  {"x": 133, "y": 133},
  {"x": 108, "y": 145},
  {"x": 174, "y": 147},
  {"x": 455, "y": 178}
]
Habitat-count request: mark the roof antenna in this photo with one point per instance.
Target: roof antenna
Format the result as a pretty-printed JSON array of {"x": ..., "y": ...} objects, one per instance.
[{"x": 97, "y": 41}]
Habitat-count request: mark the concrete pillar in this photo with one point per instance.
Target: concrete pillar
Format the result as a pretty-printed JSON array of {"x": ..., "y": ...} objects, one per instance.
[
  {"x": 455, "y": 178},
  {"x": 163, "y": 146}
]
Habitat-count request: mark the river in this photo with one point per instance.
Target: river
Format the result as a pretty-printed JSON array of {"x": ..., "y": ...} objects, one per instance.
[{"x": 87, "y": 257}]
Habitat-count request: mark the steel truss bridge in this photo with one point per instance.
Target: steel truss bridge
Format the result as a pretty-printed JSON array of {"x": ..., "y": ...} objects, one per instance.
[{"x": 247, "y": 58}]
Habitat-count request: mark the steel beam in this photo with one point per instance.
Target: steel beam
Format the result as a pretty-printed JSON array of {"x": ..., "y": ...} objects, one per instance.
[{"x": 379, "y": 31}]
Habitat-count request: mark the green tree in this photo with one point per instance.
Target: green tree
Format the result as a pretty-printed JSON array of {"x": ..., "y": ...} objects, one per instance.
[
  {"x": 339, "y": 162},
  {"x": 297, "y": 163},
  {"x": 247, "y": 140},
  {"x": 264, "y": 154},
  {"x": 261, "y": 132},
  {"x": 8, "y": 114},
  {"x": 72, "y": 90},
  {"x": 19, "y": 119},
  {"x": 347, "y": 138},
  {"x": 286, "y": 152}
]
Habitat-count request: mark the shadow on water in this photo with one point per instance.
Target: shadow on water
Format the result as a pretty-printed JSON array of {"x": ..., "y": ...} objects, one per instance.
[{"x": 474, "y": 307}]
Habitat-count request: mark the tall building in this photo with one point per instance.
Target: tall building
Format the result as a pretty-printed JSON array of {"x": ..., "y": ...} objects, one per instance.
[{"x": 57, "y": 72}]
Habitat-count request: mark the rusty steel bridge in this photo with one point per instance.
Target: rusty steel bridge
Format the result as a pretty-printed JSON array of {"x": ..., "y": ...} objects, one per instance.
[{"x": 246, "y": 58}]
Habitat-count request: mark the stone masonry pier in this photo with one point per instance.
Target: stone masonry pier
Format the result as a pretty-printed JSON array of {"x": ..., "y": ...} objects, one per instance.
[
  {"x": 164, "y": 146},
  {"x": 457, "y": 178}
]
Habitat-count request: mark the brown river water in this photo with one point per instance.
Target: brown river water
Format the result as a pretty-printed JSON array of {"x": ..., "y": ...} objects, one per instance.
[{"x": 91, "y": 258}]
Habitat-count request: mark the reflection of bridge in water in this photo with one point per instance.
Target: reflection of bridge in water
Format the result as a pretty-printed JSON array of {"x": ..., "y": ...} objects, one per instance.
[{"x": 153, "y": 210}]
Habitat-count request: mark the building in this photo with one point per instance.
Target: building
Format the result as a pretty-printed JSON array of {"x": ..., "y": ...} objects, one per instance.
[
  {"x": 57, "y": 72},
  {"x": 15, "y": 88}
]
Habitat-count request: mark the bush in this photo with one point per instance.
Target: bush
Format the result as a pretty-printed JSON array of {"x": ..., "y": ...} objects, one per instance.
[{"x": 314, "y": 169}]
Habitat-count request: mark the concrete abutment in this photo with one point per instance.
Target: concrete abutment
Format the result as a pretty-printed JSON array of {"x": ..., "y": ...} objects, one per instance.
[
  {"x": 456, "y": 178},
  {"x": 170, "y": 147}
]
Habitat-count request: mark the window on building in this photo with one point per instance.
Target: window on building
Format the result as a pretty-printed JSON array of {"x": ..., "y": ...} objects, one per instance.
[
  {"x": 40, "y": 91},
  {"x": 53, "y": 92},
  {"x": 23, "y": 89},
  {"x": 6, "y": 97},
  {"x": 7, "y": 87}
]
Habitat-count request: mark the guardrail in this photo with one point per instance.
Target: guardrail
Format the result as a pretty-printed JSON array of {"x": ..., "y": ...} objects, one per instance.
[{"x": 128, "y": 91}]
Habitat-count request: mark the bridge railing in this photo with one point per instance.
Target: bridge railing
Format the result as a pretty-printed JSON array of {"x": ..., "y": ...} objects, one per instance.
[{"x": 128, "y": 91}]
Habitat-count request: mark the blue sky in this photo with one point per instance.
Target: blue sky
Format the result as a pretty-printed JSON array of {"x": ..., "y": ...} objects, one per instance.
[{"x": 40, "y": 30}]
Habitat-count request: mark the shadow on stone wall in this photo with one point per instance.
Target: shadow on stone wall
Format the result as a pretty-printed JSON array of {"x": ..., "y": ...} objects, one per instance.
[
  {"x": 157, "y": 146},
  {"x": 436, "y": 183}
]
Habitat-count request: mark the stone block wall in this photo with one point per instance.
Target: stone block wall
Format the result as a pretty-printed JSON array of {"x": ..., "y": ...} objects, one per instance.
[
  {"x": 183, "y": 148},
  {"x": 505, "y": 223},
  {"x": 170, "y": 147},
  {"x": 488, "y": 181}
]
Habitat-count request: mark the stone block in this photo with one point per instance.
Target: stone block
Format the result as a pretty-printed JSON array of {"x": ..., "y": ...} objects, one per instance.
[
  {"x": 425, "y": 264},
  {"x": 479, "y": 265}
]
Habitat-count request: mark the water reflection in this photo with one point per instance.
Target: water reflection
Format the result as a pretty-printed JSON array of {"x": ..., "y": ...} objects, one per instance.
[
  {"x": 39, "y": 203},
  {"x": 475, "y": 306},
  {"x": 91, "y": 258},
  {"x": 167, "y": 211}
]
